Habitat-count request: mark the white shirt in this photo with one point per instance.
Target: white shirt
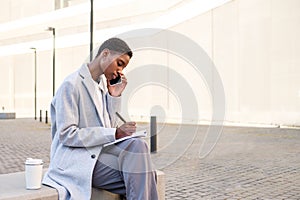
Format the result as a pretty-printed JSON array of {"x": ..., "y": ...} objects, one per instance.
[{"x": 100, "y": 94}]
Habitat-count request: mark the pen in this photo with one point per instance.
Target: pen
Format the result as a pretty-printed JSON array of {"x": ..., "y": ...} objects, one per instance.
[{"x": 121, "y": 118}]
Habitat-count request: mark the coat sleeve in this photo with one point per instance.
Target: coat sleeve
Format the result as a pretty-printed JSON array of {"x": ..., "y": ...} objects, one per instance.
[
  {"x": 113, "y": 106},
  {"x": 67, "y": 113}
]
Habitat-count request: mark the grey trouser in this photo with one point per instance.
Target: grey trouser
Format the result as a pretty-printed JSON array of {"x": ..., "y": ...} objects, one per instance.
[{"x": 125, "y": 168}]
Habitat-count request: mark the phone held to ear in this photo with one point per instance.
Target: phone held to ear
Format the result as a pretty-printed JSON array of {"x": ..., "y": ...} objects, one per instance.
[{"x": 115, "y": 81}]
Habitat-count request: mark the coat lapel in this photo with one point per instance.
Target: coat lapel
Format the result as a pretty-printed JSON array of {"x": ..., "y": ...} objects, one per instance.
[{"x": 90, "y": 86}]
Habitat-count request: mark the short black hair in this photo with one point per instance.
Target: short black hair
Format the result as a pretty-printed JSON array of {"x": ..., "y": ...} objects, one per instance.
[{"x": 115, "y": 44}]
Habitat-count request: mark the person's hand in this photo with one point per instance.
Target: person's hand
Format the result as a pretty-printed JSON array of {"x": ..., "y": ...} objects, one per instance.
[
  {"x": 125, "y": 130},
  {"x": 117, "y": 89}
]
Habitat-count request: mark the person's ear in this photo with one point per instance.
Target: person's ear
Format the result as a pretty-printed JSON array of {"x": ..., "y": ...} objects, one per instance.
[
  {"x": 104, "y": 59},
  {"x": 105, "y": 53}
]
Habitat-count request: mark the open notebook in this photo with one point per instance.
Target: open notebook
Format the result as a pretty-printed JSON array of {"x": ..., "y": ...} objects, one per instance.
[{"x": 141, "y": 133}]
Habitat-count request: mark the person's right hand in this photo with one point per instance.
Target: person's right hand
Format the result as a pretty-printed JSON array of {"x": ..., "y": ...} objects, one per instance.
[
  {"x": 117, "y": 89},
  {"x": 125, "y": 130}
]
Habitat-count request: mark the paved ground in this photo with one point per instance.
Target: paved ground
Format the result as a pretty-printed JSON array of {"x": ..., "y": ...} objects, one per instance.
[{"x": 246, "y": 163}]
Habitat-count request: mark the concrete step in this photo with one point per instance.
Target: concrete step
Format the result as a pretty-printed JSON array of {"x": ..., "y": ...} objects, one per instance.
[{"x": 7, "y": 115}]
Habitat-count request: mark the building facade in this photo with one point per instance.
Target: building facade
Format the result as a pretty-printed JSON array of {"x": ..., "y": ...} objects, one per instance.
[{"x": 254, "y": 46}]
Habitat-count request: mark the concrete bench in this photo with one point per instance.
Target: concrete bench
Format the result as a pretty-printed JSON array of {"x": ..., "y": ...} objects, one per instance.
[{"x": 12, "y": 187}]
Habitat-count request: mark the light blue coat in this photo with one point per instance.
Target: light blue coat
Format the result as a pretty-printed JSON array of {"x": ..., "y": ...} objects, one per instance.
[{"x": 78, "y": 134}]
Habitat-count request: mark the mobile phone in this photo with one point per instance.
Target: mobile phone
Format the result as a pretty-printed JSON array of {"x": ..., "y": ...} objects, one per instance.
[{"x": 115, "y": 81}]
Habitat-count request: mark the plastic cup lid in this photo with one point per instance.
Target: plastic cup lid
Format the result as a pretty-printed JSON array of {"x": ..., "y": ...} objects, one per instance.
[{"x": 31, "y": 161}]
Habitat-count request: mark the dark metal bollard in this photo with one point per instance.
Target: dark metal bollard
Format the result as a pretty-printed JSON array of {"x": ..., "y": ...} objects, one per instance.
[
  {"x": 46, "y": 118},
  {"x": 153, "y": 130},
  {"x": 40, "y": 115}
]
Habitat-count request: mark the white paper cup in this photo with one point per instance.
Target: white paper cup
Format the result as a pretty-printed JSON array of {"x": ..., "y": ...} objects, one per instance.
[{"x": 33, "y": 173}]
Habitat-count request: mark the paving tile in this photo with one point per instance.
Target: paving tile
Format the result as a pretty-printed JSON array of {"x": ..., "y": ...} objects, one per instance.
[{"x": 246, "y": 163}]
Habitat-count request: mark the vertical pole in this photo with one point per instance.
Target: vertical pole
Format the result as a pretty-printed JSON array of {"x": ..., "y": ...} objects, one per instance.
[
  {"x": 91, "y": 30},
  {"x": 35, "y": 75},
  {"x": 153, "y": 130},
  {"x": 53, "y": 92},
  {"x": 46, "y": 117},
  {"x": 40, "y": 115},
  {"x": 53, "y": 62}
]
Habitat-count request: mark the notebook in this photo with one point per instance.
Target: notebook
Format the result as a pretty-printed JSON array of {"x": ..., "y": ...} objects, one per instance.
[{"x": 141, "y": 133}]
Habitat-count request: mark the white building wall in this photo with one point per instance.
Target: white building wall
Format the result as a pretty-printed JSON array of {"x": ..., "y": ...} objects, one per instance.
[
  {"x": 255, "y": 47},
  {"x": 16, "y": 9},
  {"x": 254, "y": 44}
]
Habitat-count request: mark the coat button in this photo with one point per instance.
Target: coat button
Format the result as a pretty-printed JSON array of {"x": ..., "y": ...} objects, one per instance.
[{"x": 93, "y": 156}]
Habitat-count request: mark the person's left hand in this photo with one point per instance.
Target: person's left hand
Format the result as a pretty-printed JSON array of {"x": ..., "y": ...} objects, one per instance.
[{"x": 117, "y": 89}]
